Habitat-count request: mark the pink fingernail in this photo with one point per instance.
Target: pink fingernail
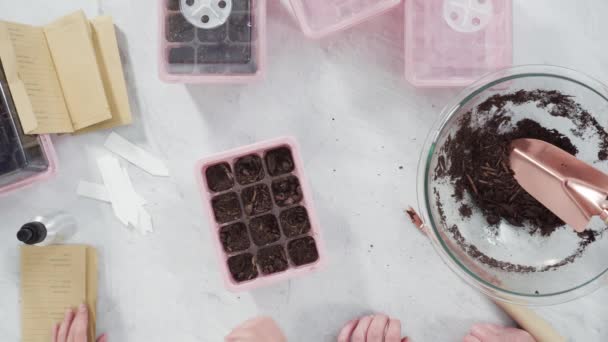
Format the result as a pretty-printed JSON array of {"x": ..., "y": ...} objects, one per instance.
[{"x": 82, "y": 308}]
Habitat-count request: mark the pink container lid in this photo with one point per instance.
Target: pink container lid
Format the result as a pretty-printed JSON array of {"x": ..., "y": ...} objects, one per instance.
[
  {"x": 228, "y": 49},
  {"x": 319, "y": 18},
  {"x": 455, "y": 42},
  {"x": 230, "y": 158}
]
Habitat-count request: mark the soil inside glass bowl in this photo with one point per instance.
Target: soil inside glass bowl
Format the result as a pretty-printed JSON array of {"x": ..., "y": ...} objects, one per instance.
[
  {"x": 479, "y": 164},
  {"x": 475, "y": 158}
]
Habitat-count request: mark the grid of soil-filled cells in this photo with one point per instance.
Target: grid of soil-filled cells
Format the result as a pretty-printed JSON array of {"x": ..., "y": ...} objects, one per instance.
[
  {"x": 11, "y": 156},
  {"x": 263, "y": 220},
  {"x": 17, "y": 150},
  {"x": 229, "y": 48}
]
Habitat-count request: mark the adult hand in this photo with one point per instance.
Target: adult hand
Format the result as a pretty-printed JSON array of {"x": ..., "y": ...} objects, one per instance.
[
  {"x": 497, "y": 333},
  {"x": 74, "y": 327},
  {"x": 261, "y": 329},
  {"x": 375, "y": 328}
]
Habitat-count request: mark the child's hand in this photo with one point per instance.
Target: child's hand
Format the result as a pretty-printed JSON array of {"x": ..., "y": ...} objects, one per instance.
[
  {"x": 497, "y": 333},
  {"x": 261, "y": 329},
  {"x": 376, "y": 328},
  {"x": 74, "y": 327}
]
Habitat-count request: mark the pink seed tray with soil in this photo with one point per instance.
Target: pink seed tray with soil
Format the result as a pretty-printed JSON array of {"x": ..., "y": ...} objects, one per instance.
[
  {"x": 221, "y": 41},
  {"x": 263, "y": 222}
]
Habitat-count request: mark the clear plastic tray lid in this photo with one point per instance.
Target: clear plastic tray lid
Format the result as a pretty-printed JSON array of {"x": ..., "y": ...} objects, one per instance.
[
  {"x": 211, "y": 38},
  {"x": 455, "y": 42},
  {"x": 21, "y": 156},
  {"x": 319, "y": 18}
]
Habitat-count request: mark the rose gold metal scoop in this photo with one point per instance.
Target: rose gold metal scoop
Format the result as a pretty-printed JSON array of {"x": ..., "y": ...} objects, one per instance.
[{"x": 570, "y": 188}]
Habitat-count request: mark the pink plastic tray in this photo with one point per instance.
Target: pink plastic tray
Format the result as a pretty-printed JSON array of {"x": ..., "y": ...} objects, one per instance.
[
  {"x": 34, "y": 177},
  {"x": 260, "y": 150},
  {"x": 235, "y": 52},
  {"x": 455, "y": 42},
  {"x": 319, "y": 18}
]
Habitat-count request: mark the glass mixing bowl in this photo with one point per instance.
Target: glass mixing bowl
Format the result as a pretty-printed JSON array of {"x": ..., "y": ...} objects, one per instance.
[{"x": 506, "y": 262}]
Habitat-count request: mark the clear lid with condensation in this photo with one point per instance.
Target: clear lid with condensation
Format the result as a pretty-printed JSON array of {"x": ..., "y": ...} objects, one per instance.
[
  {"x": 212, "y": 40},
  {"x": 21, "y": 156},
  {"x": 455, "y": 42}
]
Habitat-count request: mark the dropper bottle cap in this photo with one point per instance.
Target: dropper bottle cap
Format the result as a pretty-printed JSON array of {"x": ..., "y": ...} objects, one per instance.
[{"x": 32, "y": 233}]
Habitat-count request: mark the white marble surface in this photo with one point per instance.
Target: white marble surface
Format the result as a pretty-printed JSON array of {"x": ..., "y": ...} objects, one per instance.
[{"x": 167, "y": 286}]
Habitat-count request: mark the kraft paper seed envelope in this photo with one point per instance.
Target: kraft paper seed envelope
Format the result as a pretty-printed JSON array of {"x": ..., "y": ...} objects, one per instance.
[
  {"x": 112, "y": 74},
  {"x": 65, "y": 77},
  {"x": 53, "y": 279}
]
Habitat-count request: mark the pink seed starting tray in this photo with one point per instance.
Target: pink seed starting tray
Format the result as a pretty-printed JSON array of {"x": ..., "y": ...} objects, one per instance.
[
  {"x": 262, "y": 218},
  {"x": 24, "y": 159},
  {"x": 212, "y": 41},
  {"x": 455, "y": 42},
  {"x": 319, "y": 18}
]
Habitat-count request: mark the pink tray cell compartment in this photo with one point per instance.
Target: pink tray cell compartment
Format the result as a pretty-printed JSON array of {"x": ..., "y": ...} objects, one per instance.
[
  {"x": 231, "y": 50},
  {"x": 263, "y": 222},
  {"x": 24, "y": 159},
  {"x": 455, "y": 42},
  {"x": 319, "y": 18}
]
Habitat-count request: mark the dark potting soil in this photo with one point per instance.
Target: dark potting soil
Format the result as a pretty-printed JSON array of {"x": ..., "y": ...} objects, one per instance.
[
  {"x": 235, "y": 237},
  {"x": 181, "y": 55},
  {"x": 475, "y": 170},
  {"x": 249, "y": 169},
  {"x": 272, "y": 259},
  {"x": 173, "y": 5},
  {"x": 295, "y": 221},
  {"x": 242, "y": 267},
  {"x": 279, "y": 161},
  {"x": 303, "y": 251},
  {"x": 213, "y": 35},
  {"x": 287, "y": 191},
  {"x": 557, "y": 104},
  {"x": 179, "y": 29},
  {"x": 256, "y": 199},
  {"x": 264, "y": 230},
  {"x": 241, "y": 5},
  {"x": 465, "y": 210},
  {"x": 219, "y": 177},
  {"x": 479, "y": 165},
  {"x": 226, "y": 207},
  {"x": 224, "y": 53},
  {"x": 240, "y": 27},
  {"x": 587, "y": 237},
  {"x": 9, "y": 147}
]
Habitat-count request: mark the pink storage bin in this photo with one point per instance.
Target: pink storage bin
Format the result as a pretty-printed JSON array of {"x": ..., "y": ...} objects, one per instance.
[
  {"x": 230, "y": 230},
  {"x": 319, "y": 18},
  {"x": 455, "y": 42},
  {"x": 196, "y": 46}
]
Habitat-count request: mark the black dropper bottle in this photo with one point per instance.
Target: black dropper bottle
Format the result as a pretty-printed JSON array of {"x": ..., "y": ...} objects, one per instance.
[
  {"x": 56, "y": 227},
  {"x": 32, "y": 233}
]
